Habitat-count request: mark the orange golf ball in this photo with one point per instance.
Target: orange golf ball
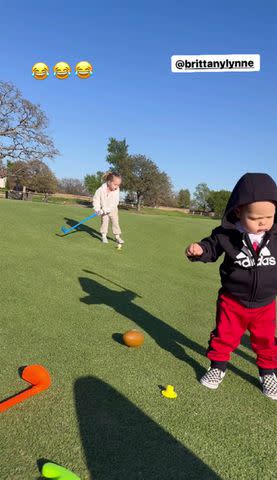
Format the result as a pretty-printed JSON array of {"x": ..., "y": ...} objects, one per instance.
[{"x": 133, "y": 338}]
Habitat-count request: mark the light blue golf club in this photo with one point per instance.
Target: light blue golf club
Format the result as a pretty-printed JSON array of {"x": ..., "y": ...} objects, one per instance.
[{"x": 67, "y": 230}]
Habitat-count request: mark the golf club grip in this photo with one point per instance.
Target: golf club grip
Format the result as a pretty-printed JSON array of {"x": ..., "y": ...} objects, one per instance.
[{"x": 20, "y": 397}]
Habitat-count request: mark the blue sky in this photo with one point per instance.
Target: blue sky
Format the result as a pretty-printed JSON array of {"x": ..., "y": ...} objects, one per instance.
[{"x": 200, "y": 127}]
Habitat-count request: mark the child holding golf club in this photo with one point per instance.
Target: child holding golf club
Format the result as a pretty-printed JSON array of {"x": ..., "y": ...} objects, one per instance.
[
  {"x": 246, "y": 301},
  {"x": 105, "y": 203}
]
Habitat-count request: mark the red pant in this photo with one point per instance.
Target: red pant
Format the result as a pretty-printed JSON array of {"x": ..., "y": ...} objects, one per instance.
[{"x": 233, "y": 319}]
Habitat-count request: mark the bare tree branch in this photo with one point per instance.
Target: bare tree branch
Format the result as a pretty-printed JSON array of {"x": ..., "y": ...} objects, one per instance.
[{"x": 22, "y": 128}]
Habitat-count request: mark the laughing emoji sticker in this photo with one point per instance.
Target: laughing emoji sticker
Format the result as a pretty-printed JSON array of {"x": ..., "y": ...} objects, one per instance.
[
  {"x": 40, "y": 71},
  {"x": 83, "y": 69},
  {"x": 62, "y": 70}
]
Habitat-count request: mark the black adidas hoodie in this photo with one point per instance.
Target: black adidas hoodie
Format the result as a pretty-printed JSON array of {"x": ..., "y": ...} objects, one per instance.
[{"x": 248, "y": 276}]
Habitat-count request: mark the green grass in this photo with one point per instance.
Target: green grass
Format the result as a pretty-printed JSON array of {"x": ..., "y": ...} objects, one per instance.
[
  {"x": 64, "y": 302},
  {"x": 167, "y": 213},
  {"x": 62, "y": 200}
]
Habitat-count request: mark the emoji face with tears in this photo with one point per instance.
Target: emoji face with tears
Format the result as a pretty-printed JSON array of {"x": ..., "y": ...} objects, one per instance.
[
  {"x": 83, "y": 69},
  {"x": 62, "y": 70},
  {"x": 40, "y": 71}
]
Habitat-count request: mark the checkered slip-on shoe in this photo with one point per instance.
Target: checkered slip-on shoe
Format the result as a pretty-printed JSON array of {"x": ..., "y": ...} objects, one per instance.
[
  {"x": 269, "y": 384},
  {"x": 212, "y": 378}
]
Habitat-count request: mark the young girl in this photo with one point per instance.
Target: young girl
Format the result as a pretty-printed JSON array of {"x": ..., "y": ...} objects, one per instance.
[{"x": 105, "y": 203}]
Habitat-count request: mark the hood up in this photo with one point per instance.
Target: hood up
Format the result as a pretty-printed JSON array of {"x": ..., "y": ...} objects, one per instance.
[{"x": 251, "y": 187}]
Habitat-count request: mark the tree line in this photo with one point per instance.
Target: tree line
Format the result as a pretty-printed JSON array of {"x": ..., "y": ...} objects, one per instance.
[{"x": 25, "y": 144}]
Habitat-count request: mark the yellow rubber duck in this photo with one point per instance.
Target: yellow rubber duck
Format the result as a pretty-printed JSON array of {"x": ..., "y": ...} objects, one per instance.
[{"x": 169, "y": 392}]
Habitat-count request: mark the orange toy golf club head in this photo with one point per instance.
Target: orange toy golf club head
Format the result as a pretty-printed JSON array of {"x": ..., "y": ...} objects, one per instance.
[
  {"x": 38, "y": 376},
  {"x": 39, "y": 379}
]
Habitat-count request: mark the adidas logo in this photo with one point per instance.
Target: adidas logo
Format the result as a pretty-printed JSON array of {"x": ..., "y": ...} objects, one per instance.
[{"x": 245, "y": 258}]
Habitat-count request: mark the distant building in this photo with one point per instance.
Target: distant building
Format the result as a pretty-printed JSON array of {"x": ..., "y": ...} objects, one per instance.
[
  {"x": 3, "y": 181},
  {"x": 194, "y": 211}
]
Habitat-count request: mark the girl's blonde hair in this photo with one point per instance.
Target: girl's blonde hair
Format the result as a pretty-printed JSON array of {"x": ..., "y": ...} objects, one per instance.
[{"x": 108, "y": 176}]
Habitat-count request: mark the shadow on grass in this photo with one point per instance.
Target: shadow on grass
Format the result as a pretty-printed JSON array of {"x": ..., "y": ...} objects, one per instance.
[
  {"x": 118, "y": 337},
  {"x": 20, "y": 371},
  {"x": 245, "y": 341},
  {"x": 167, "y": 337},
  {"x": 85, "y": 228},
  {"x": 121, "y": 442},
  {"x": 40, "y": 463},
  {"x": 82, "y": 228}
]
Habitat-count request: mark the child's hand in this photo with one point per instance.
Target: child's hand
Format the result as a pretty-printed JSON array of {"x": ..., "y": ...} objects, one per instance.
[{"x": 194, "y": 250}]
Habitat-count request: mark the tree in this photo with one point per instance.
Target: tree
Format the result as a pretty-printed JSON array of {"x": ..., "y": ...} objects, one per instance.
[
  {"x": 120, "y": 161},
  {"x": 160, "y": 192},
  {"x": 140, "y": 176},
  {"x": 174, "y": 200},
  {"x": 217, "y": 201},
  {"x": 164, "y": 186},
  {"x": 183, "y": 198},
  {"x": 144, "y": 178},
  {"x": 3, "y": 170},
  {"x": 200, "y": 196},
  {"x": 22, "y": 128},
  {"x": 93, "y": 182},
  {"x": 73, "y": 186},
  {"x": 34, "y": 174},
  {"x": 130, "y": 198}
]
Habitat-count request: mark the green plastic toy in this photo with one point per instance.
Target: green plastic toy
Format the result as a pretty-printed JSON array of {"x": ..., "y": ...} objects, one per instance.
[{"x": 51, "y": 470}]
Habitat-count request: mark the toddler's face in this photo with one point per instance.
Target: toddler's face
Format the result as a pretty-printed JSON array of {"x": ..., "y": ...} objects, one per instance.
[
  {"x": 114, "y": 184},
  {"x": 257, "y": 217}
]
